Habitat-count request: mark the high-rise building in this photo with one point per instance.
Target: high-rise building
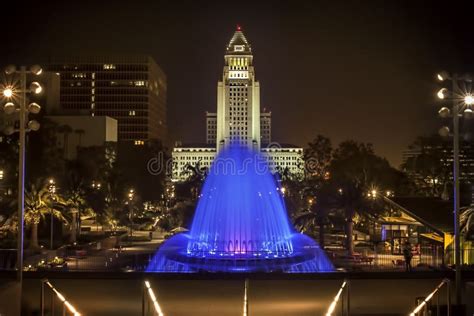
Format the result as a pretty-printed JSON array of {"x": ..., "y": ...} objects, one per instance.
[
  {"x": 429, "y": 165},
  {"x": 265, "y": 127},
  {"x": 238, "y": 119},
  {"x": 130, "y": 89}
]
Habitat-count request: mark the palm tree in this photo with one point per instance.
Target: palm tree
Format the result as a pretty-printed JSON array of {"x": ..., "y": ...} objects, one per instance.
[
  {"x": 76, "y": 205},
  {"x": 39, "y": 203},
  {"x": 467, "y": 222},
  {"x": 355, "y": 169},
  {"x": 74, "y": 200},
  {"x": 65, "y": 130},
  {"x": 320, "y": 199},
  {"x": 79, "y": 133},
  {"x": 197, "y": 174}
]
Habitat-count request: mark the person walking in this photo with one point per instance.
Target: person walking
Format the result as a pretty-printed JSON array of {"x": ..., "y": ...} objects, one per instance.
[{"x": 407, "y": 254}]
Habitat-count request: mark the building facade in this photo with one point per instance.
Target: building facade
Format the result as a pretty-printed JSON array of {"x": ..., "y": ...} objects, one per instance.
[
  {"x": 130, "y": 89},
  {"x": 429, "y": 165},
  {"x": 84, "y": 131},
  {"x": 238, "y": 119}
]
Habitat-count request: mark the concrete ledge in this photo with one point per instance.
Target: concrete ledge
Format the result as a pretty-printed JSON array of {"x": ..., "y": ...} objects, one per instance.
[{"x": 466, "y": 275}]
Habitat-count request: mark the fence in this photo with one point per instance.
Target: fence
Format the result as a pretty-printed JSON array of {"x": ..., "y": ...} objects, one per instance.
[
  {"x": 106, "y": 260},
  {"x": 467, "y": 256},
  {"x": 425, "y": 257}
]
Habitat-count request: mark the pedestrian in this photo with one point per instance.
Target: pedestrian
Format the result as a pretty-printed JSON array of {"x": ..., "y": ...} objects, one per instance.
[{"x": 407, "y": 254}]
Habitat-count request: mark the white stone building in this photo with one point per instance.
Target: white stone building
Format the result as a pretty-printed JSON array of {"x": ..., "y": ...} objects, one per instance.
[{"x": 238, "y": 120}]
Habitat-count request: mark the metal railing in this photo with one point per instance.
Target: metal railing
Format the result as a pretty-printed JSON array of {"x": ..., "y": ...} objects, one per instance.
[
  {"x": 467, "y": 256},
  {"x": 425, "y": 303},
  {"x": 345, "y": 308},
  {"x": 67, "y": 307},
  {"x": 426, "y": 257},
  {"x": 116, "y": 260},
  {"x": 148, "y": 293},
  {"x": 246, "y": 298},
  {"x": 108, "y": 260}
]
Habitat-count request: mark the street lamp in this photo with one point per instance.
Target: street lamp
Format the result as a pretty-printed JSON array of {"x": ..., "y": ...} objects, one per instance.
[
  {"x": 96, "y": 185},
  {"x": 20, "y": 94},
  {"x": 461, "y": 106},
  {"x": 131, "y": 194},
  {"x": 8, "y": 92},
  {"x": 52, "y": 191}
]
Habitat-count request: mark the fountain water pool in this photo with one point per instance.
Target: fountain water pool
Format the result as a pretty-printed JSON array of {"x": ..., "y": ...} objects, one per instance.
[{"x": 240, "y": 225}]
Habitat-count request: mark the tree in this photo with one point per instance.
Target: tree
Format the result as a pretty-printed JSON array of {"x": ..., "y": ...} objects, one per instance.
[
  {"x": 44, "y": 158},
  {"x": 355, "y": 170},
  {"x": 74, "y": 199},
  {"x": 79, "y": 133},
  {"x": 313, "y": 192},
  {"x": 318, "y": 205},
  {"x": 317, "y": 157},
  {"x": 192, "y": 186},
  {"x": 467, "y": 223},
  {"x": 66, "y": 130},
  {"x": 76, "y": 205},
  {"x": 39, "y": 203}
]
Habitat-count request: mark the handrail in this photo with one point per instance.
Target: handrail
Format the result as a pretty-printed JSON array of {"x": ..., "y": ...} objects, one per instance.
[
  {"x": 430, "y": 296},
  {"x": 61, "y": 297},
  {"x": 246, "y": 300},
  {"x": 153, "y": 299},
  {"x": 336, "y": 299}
]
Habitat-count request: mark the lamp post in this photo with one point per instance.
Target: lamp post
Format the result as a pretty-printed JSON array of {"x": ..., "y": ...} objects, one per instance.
[
  {"x": 19, "y": 94},
  {"x": 96, "y": 187},
  {"x": 52, "y": 192},
  {"x": 461, "y": 106},
  {"x": 131, "y": 194}
]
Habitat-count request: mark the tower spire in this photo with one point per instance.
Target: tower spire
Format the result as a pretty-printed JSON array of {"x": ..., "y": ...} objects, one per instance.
[{"x": 238, "y": 44}]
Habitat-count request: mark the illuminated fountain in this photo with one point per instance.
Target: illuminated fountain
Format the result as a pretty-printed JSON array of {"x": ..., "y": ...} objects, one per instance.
[{"x": 240, "y": 225}]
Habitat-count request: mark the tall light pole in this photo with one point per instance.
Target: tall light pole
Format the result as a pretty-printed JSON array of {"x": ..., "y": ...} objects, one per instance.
[
  {"x": 131, "y": 194},
  {"x": 462, "y": 102},
  {"x": 19, "y": 94},
  {"x": 52, "y": 192}
]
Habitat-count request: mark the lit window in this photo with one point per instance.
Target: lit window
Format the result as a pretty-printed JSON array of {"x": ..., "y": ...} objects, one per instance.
[
  {"x": 131, "y": 113},
  {"x": 1, "y": 174},
  {"x": 109, "y": 66}
]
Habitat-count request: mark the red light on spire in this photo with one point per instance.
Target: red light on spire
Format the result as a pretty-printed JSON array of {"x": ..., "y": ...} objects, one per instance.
[{"x": 239, "y": 28}]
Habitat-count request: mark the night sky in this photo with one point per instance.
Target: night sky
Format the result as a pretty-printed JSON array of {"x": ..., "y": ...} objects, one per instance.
[{"x": 362, "y": 70}]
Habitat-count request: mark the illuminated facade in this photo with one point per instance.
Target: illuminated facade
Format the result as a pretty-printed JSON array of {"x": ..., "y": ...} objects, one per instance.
[
  {"x": 130, "y": 89},
  {"x": 238, "y": 119}
]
